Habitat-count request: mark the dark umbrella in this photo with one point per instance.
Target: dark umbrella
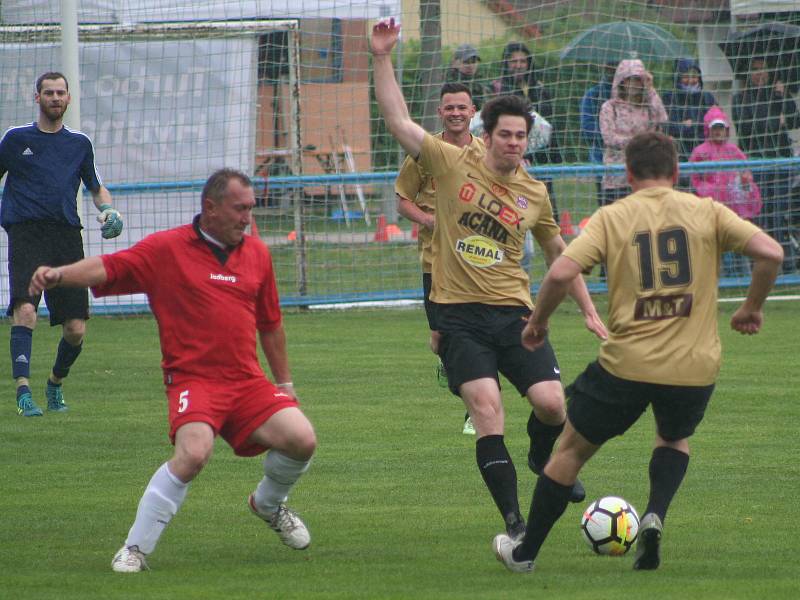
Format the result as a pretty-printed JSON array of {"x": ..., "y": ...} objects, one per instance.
[
  {"x": 613, "y": 42},
  {"x": 778, "y": 43}
]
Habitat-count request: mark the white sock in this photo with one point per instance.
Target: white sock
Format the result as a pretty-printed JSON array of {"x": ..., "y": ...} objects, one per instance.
[
  {"x": 161, "y": 500},
  {"x": 280, "y": 475}
]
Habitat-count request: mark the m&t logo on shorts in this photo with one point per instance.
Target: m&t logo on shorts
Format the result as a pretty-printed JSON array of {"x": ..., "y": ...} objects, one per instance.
[{"x": 479, "y": 251}]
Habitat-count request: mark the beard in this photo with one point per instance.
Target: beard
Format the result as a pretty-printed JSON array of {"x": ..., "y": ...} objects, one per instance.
[{"x": 54, "y": 113}]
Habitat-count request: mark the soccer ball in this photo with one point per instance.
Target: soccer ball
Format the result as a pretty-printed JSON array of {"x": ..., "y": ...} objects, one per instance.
[{"x": 610, "y": 526}]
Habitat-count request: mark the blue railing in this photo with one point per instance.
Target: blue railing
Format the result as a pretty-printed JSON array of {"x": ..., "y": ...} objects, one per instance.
[{"x": 559, "y": 171}]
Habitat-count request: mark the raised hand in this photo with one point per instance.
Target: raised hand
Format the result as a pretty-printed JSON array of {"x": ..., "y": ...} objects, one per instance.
[{"x": 384, "y": 36}]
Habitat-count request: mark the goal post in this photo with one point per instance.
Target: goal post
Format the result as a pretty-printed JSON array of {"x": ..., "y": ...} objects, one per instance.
[{"x": 165, "y": 104}]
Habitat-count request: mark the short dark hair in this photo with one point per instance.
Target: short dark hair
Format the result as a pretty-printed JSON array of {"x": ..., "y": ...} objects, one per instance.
[
  {"x": 515, "y": 106},
  {"x": 50, "y": 76},
  {"x": 651, "y": 155},
  {"x": 216, "y": 185},
  {"x": 453, "y": 87}
]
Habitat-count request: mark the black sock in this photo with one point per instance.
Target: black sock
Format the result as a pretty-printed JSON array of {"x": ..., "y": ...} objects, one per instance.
[
  {"x": 667, "y": 469},
  {"x": 549, "y": 502},
  {"x": 21, "y": 344},
  {"x": 23, "y": 389},
  {"x": 65, "y": 357},
  {"x": 500, "y": 476},
  {"x": 543, "y": 438}
]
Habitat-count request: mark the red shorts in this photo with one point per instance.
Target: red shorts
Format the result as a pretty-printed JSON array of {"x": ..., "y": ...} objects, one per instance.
[{"x": 234, "y": 409}]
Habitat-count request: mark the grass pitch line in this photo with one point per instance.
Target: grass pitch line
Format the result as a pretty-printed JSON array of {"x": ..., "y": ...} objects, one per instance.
[
  {"x": 409, "y": 303},
  {"x": 368, "y": 304},
  {"x": 741, "y": 298}
]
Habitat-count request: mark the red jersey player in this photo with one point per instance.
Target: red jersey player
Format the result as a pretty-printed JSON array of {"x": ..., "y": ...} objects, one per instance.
[{"x": 210, "y": 288}]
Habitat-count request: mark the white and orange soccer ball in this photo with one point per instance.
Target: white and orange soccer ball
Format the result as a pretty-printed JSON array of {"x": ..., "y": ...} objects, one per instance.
[{"x": 610, "y": 526}]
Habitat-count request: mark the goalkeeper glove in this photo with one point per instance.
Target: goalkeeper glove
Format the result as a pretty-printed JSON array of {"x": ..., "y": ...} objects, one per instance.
[{"x": 111, "y": 221}]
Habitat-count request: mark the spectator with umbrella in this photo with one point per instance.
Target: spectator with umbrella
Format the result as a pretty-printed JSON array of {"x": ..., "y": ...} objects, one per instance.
[
  {"x": 591, "y": 102},
  {"x": 780, "y": 42},
  {"x": 634, "y": 108},
  {"x": 763, "y": 112},
  {"x": 607, "y": 44}
]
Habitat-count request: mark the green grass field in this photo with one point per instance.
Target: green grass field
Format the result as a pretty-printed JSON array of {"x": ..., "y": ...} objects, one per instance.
[{"x": 394, "y": 501}]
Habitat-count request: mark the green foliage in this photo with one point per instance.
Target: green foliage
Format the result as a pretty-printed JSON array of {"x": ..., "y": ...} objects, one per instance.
[{"x": 393, "y": 500}]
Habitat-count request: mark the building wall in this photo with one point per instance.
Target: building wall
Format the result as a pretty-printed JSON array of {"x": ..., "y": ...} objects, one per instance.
[{"x": 463, "y": 21}]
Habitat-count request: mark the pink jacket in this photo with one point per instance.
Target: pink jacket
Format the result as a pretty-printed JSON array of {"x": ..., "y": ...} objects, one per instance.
[
  {"x": 621, "y": 120},
  {"x": 725, "y": 186}
]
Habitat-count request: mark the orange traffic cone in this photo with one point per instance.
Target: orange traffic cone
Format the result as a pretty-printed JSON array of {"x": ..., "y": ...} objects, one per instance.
[
  {"x": 393, "y": 230},
  {"x": 381, "y": 235},
  {"x": 566, "y": 224}
]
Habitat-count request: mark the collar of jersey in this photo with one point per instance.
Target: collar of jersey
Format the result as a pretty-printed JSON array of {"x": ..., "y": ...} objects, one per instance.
[{"x": 222, "y": 254}]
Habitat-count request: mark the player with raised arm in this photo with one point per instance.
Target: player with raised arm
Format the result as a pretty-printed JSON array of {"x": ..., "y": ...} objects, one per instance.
[
  {"x": 662, "y": 249},
  {"x": 46, "y": 162},
  {"x": 484, "y": 206},
  {"x": 211, "y": 288},
  {"x": 416, "y": 191}
]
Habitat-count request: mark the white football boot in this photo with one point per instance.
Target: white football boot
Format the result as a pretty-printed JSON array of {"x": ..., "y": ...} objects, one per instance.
[
  {"x": 503, "y": 547},
  {"x": 129, "y": 560},
  {"x": 285, "y": 522}
]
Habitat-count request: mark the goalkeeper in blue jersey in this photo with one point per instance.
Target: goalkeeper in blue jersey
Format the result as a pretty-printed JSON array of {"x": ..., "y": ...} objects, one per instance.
[{"x": 46, "y": 162}]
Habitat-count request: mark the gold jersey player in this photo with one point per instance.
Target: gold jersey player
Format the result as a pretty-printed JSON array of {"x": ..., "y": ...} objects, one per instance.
[
  {"x": 483, "y": 208},
  {"x": 662, "y": 253},
  {"x": 416, "y": 197}
]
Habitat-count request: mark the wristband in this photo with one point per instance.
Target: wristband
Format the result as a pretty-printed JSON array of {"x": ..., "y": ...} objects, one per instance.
[
  {"x": 285, "y": 384},
  {"x": 103, "y": 207}
]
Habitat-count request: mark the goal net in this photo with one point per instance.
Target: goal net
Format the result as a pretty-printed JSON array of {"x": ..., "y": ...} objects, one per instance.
[{"x": 171, "y": 90}]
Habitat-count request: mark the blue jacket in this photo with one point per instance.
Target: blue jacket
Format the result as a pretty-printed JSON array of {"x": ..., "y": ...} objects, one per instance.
[
  {"x": 683, "y": 105},
  {"x": 591, "y": 103}
]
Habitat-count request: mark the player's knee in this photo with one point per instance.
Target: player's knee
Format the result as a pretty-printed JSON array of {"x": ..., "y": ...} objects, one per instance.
[
  {"x": 547, "y": 400},
  {"x": 489, "y": 414},
  {"x": 73, "y": 331},
  {"x": 24, "y": 314},
  {"x": 434, "y": 341},
  {"x": 550, "y": 409},
  {"x": 189, "y": 461},
  {"x": 304, "y": 443}
]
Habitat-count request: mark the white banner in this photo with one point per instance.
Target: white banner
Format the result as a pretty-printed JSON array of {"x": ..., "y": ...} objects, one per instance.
[{"x": 157, "y": 112}]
